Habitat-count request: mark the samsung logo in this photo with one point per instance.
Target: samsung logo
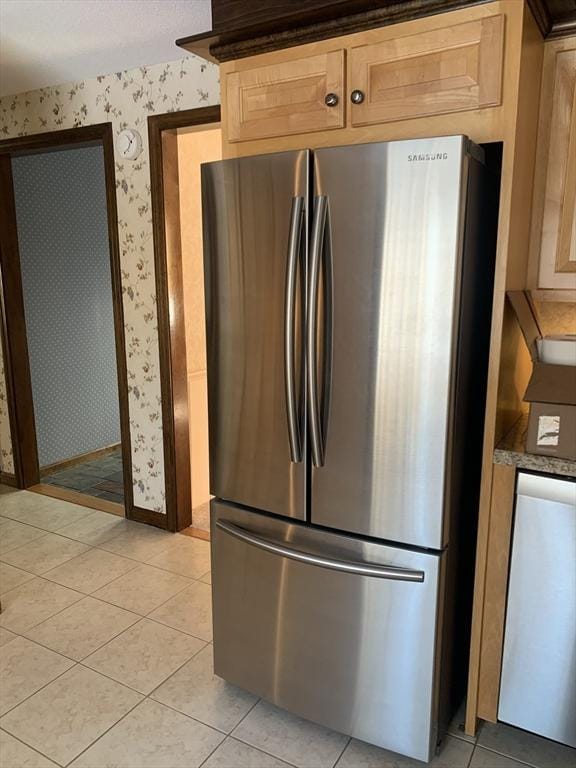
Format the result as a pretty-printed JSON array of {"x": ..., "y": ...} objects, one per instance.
[{"x": 428, "y": 156}]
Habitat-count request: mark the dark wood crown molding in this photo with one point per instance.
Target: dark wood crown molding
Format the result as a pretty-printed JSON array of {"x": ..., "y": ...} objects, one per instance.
[
  {"x": 226, "y": 45},
  {"x": 555, "y": 18}
]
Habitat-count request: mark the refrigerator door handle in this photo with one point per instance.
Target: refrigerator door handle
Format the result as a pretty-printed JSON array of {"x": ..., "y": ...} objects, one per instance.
[
  {"x": 346, "y": 566},
  {"x": 294, "y": 245},
  {"x": 316, "y": 246}
]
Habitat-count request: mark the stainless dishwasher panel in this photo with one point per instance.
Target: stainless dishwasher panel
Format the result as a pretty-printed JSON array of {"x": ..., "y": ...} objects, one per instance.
[
  {"x": 338, "y": 630},
  {"x": 538, "y": 687}
]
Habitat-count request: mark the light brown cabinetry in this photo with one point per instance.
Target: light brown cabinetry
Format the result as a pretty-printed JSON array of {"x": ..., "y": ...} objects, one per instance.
[
  {"x": 454, "y": 68},
  {"x": 434, "y": 71},
  {"x": 297, "y": 96},
  {"x": 553, "y": 242}
]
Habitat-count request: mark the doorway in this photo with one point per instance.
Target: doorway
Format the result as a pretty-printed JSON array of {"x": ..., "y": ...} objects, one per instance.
[
  {"x": 179, "y": 143},
  {"x": 63, "y": 319}
]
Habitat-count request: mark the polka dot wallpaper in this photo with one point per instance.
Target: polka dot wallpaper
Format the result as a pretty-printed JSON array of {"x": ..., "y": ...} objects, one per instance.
[
  {"x": 125, "y": 99},
  {"x": 65, "y": 260}
]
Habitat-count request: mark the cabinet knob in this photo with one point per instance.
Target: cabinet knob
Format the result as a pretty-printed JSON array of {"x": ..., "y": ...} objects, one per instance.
[
  {"x": 331, "y": 99},
  {"x": 357, "y": 97}
]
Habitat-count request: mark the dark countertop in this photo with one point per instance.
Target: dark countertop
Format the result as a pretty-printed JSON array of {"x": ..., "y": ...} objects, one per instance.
[{"x": 511, "y": 450}]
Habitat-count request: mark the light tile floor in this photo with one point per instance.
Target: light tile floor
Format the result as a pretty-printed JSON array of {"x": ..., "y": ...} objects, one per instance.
[{"x": 106, "y": 661}]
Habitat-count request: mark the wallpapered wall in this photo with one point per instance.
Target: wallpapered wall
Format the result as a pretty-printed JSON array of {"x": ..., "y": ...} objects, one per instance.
[
  {"x": 126, "y": 99},
  {"x": 67, "y": 286}
]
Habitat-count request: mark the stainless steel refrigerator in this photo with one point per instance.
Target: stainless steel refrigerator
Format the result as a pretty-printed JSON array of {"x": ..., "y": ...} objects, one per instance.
[{"x": 348, "y": 296}]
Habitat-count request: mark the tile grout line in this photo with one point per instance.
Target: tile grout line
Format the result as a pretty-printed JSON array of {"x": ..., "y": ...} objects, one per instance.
[
  {"x": 169, "y": 626},
  {"x": 230, "y": 736},
  {"x": 467, "y": 739},
  {"x": 12, "y": 549},
  {"x": 270, "y": 754},
  {"x": 212, "y": 752},
  {"x": 79, "y": 661},
  {"x": 92, "y": 594},
  {"x": 27, "y": 544},
  {"x": 32, "y": 748},
  {"x": 138, "y": 618},
  {"x": 106, "y": 731},
  {"x": 226, "y": 734},
  {"x": 93, "y": 546},
  {"x": 70, "y": 538},
  {"x": 75, "y": 664},
  {"x": 145, "y": 697},
  {"x": 49, "y": 617},
  {"x": 344, "y": 748},
  {"x": 82, "y": 554},
  {"x": 184, "y": 714},
  {"x": 146, "y": 615},
  {"x": 505, "y": 754},
  {"x": 48, "y": 510},
  {"x": 172, "y": 675}
]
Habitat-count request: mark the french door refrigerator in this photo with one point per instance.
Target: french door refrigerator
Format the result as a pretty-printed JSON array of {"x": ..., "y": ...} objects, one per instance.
[{"x": 348, "y": 299}]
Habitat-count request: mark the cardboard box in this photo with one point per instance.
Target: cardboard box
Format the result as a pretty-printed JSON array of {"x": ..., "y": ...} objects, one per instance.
[{"x": 551, "y": 391}]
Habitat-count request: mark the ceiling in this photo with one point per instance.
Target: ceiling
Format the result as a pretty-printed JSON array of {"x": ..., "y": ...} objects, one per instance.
[{"x": 48, "y": 42}]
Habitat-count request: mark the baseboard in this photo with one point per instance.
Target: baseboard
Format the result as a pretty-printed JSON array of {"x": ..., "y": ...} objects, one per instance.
[
  {"x": 57, "y": 466},
  {"x": 7, "y": 479},
  {"x": 75, "y": 497},
  {"x": 196, "y": 533},
  {"x": 148, "y": 516}
]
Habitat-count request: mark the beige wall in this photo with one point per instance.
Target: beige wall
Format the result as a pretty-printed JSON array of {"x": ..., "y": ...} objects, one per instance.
[{"x": 194, "y": 148}]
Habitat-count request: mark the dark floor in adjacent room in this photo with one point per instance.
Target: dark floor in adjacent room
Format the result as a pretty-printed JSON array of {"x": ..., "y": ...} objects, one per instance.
[{"x": 101, "y": 477}]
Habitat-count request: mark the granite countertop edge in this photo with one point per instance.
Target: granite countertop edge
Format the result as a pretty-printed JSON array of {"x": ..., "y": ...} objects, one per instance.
[{"x": 511, "y": 451}]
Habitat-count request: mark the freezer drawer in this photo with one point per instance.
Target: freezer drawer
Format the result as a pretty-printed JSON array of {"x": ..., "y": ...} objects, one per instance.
[
  {"x": 340, "y": 631},
  {"x": 538, "y": 688}
]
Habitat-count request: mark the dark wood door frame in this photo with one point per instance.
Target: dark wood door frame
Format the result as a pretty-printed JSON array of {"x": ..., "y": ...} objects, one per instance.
[
  {"x": 12, "y": 320},
  {"x": 162, "y": 139}
]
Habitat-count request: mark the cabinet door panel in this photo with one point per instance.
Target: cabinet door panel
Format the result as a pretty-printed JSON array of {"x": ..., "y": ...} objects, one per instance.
[
  {"x": 285, "y": 98},
  {"x": 559, "y": 218},
  {"x": 443, "y": 70},
  {"x": 553, "y": 211}
]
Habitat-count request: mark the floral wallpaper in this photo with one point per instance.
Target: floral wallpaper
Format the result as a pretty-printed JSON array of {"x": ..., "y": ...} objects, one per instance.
[{"x": 125, "y": 99}]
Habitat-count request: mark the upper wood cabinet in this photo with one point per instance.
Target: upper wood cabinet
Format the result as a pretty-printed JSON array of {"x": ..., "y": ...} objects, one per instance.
[
  {"x": 451, "y": 69},
  {"x": 287, "y": 97},
  {"x": 553, "y": 243}
]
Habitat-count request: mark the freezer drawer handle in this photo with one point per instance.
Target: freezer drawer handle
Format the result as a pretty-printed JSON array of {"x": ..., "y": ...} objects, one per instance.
[
  {"x": 294, "y": 245},
  {"x": 360, "y": 569}
]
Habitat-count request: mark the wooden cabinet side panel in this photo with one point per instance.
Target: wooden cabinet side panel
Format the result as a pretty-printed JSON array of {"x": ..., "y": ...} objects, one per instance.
[
  {"x": 501, "y": 513},
  {"x": 452, "y": 69},
  {"x": 285, "y": 98},
  {"x": 522, "y": 69}
]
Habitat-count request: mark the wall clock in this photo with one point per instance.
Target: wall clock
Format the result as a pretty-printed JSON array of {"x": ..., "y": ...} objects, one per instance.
[{"x": 129, "y": 144}]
